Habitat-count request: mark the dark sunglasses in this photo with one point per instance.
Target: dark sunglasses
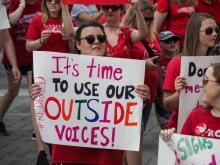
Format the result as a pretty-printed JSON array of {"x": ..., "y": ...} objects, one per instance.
[
  {"x": 148, "y": 19},
  {"x": 171, "y": 40},
  {"x": 55, "y": 1},
  {"x": 209, "y": 30},
  {"x": 91, "y": 38},
  {"x": 113, "y": 7},
  {"x": 205, "y": 81}
]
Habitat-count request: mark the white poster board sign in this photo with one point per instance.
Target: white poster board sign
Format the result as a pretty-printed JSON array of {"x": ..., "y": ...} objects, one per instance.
[
  {"x": 193, "y": 69},
  {"x": 191, "y": 150},
  {"x": 88, "y": 101}
]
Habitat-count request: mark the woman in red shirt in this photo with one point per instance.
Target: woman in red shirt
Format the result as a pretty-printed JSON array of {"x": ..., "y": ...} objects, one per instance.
[
  {"x": 45, "y": 33},
  {"x": 205, "y": 27},
  {"x": 173, "y": 15}
]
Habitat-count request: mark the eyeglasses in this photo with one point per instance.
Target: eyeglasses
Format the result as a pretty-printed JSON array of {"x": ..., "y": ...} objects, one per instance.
[
  {"x": 91, "y": 38},
  {"x": 209, "y": 30},
  {"x": 55, "y": 1},
  {"x": 206, "y": 80},
  {"x": 113, "y": 7},
  {"x": 171, "y": 40},
  {"x": 148, "y": 19}
]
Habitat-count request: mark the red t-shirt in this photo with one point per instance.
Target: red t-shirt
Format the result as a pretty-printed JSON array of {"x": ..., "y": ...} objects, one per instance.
[
  {"x": 205, "y": 125},
  {"x": 163, "y": 65},
  {"x": 69, "y": 154},
  {"x": 122, "y": 48},
  {"x": 179, "y": 17},
  {"x": 55, "y": 42},
  {"x": 173, "y": 70},
  {"x": 213, "y": 9},
  {"x": 18, "y": 32},
  {"x": 138, "y": 51}
]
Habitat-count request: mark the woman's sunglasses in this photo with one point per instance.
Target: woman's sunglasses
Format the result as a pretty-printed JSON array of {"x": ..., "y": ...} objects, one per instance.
[
  {"x": 113, "y": 7},
  {"x": 91, "y": 38},
  {"x": 209, "y": 30},
  {"x": 55, "y": 1},
  {"x": 205, "y": 81}
]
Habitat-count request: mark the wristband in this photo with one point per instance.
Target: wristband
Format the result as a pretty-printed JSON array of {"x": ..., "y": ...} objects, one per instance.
[{"x": 22, "y": 5}]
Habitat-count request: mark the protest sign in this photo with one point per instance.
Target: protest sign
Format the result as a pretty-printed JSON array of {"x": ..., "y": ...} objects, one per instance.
[
  {"x": 88, "y": 101},
  {"x": 191, "y": 150},
  {"x": 193, "y": 69},
  {"x": 97, "y": 2},
  {"x": 4, "y": 23}
]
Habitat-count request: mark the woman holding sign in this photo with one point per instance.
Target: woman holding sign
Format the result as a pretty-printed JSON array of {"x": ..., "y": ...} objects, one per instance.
[
  {"x": 45, "y": 33},
  {"x": 207, "y": 123},
  {"x": 202, "y": 32},
  {"x": 90, "y": 40}
]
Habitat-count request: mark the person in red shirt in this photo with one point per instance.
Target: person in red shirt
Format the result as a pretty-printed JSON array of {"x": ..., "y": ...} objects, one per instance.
[
  {"x": 20, "y": 15},
  {"x": 90, "y": 40},
  {"x": 207, "y": 123},
  {"x": 205, "y": 27},
  {"x": 119, "y": 38},
  {"x": 169, "y": 43},
  {"x": 173, "y": 15},
  {"x": 45, "y": 33}
]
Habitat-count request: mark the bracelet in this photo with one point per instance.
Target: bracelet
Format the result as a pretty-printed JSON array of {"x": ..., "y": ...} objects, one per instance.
[
  {"x": 41, "y": 41},
  {"x": 22, "y": 5}
]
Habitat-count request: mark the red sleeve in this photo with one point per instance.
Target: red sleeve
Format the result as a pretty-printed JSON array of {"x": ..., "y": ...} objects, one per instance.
[
  {"x": 162, "y": 6},
  {"x": 127, "y": 32},
  {"x": 173, "y": 70},
  {"x": 187, "y": 128},
  {"x": 34, "y": 29}
]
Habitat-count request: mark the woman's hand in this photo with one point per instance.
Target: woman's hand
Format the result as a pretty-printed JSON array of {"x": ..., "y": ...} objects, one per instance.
[
  {"x": 149, "y": 63},
  {"x": 35, "y": 91},
  {"x": 143, "y": 91},
  {"x": 180, "y": 83},
  {"x": 44, "y": 36},
  {"x": 16, "y": 73},
  {"x": 167, "y": 133}
]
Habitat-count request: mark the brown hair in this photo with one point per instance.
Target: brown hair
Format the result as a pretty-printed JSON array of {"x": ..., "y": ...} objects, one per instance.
[
  {"x": 191, "y": 41},
  {"x": 216, "y": 71},
  {"x": 46, "y": 13}
]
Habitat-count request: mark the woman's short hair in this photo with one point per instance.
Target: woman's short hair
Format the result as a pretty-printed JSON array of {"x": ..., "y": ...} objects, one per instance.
[
  {"x": 191, "y": 41},
  {"x": 88, "y": 24}
]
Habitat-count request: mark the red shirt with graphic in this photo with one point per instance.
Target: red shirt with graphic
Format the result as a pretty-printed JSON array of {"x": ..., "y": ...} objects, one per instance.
[
  {"x": 55, "y": 42},
  {"x": 18, "y": 32},
  {"x": 205, "y": 125},
  {"x": 179, "y": 17},
  {"x": 163, "y": 65},
  {"x": 173, "y": 70},
  {"x": 213, "y": 8}
]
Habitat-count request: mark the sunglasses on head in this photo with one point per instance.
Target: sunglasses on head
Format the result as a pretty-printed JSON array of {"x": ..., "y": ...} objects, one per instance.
[
  {"x": 55, "y": 1},
  {"x": 91, "y": 38},
  {"x": 210, "y": 30},
  {"x": 148, "y": 19},
  {"x": 206, "y": 80},
  {"x": 113, "y": 7}
]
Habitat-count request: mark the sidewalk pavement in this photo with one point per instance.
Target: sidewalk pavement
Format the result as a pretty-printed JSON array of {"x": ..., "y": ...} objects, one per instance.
[{"x": 19, "y": 149}]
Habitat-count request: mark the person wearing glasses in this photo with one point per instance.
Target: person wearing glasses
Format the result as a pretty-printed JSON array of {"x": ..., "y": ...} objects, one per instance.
[
  {"x": 46, "y": 33},
  {"x": 139, "y": 51},
  {"x": 90, "y": 39},
  {"x": 119, "y": 38},
  {"x": 207, "y": 123},
  {"x": 201, "y": 35}
]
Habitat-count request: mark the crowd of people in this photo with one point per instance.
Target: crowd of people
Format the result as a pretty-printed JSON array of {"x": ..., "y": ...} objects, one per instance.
[{"x": 158, "y": 32}]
